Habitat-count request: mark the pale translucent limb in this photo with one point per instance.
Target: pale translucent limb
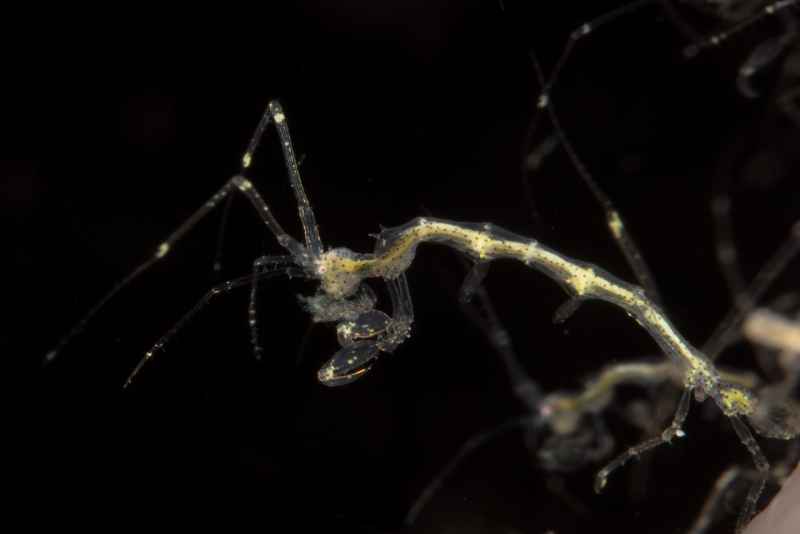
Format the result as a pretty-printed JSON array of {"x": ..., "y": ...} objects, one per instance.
[
  {"x": 465, "y": 450},
  {"x": 616, "y": 225},
  {"x": 727, "y": 257},
  {"x": 275, "y": 114},
  {"x": 782, "y": 516},
  {"x": 719, "y": 38},
  {"x": 587, "y": 444},
  {"x": 266, "y": 270},
  {"x": 779, "y": 472},
  {"x": 728, "y": 327},
  {"x": 579, "y": 33},
  {"x": 765, "y": 54},
  {"x": 535, "y": 158},
  {"x": 673, "y": 431},
  {"x": 614, "y": 222},
  {"x": 242, "y": 185},
  {"x": 483, "y": 315},
  {"x": 262, "y": 264},
  {"x": 472, "y": 282},
  {"x": 237, "y": 183},
  {"x": 402, "y": 310},
  {"x": 762, "y": 465},
  {"x": 712, "y": 503}
]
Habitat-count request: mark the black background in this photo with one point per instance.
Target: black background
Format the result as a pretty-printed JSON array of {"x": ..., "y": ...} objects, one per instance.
[{"x": 117, "y": 130}]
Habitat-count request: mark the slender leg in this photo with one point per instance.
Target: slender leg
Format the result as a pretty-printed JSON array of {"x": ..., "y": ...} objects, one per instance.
[
  {"x": 482, "y": 313},
  {"x": 719, "y": 38},
  {"x": 616, "y": 225},
  {"x": 582, "y": 31},
  {"x": 472, "y": 282},
  {"x": 727, "y": 328},
  {"x": 402, "y": 312},
  {"x": 674, "y": 430},
  {"x": 619, "y": 232},
  {"x": 677, "y": 20},
  {"x": 260, "y": 265},
  {"x": 762, "y": 465},
  {"x": 712, "y": 503},
  {"x": 267, "y": 270},
  {"x": 274, "y": 113},
  {"x": 465, "y": 450},
  {"x": 402, "y": 307},
  {"x": 237, "y": 183},
  {"x": 727, "y": 256},
  {"x": 765, "y": 54}
]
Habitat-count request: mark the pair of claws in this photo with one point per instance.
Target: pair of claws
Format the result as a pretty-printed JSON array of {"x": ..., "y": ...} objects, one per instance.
[{"x": 367, "y": 334}]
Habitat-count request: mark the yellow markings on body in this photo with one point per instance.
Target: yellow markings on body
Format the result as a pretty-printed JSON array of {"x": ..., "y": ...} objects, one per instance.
[
  {"x": 565, "y": 409},
  {"x": 325, "y": 374},
  {"x": 247, "y": 159},
  {"x": 737, "y": 401},
  {"x": 582, "y": 280},
  {"x": 345, "y": 329},
  {"x": 481, "y": 246},
  {"x": 162, "y": 251},
  {"x": 615, "y": 224}
]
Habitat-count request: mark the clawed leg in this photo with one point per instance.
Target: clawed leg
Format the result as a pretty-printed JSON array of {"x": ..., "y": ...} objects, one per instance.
[{"x": 674, "y": 430}]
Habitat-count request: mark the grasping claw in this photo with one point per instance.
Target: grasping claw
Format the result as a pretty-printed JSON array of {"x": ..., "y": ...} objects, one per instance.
[{"x": 349, "y": 364}]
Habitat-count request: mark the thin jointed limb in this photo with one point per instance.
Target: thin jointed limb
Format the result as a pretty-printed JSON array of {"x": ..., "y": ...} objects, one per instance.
[
  {"x": 274, "y": 114},
  {"x": 718, "y": 38},
  {"x": 238, "y": 183},
  {"x": 674, "y": 430},
  {"x": 262, "y": 264},
  {"x": 619, "y": 231},
  {"x": 269, "y": 270},
  {"x": 762, "y": 465},
  {"x": 466, "y": 449},
  {"x": 726, "y": 329},
  {"x": 712, "y": 503}
]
